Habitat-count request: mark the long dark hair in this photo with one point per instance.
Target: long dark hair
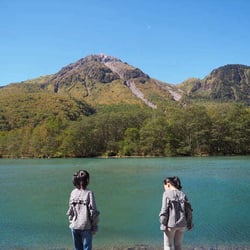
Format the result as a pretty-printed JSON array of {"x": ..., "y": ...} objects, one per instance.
[
  {"x": 174, "y": 181},
  {"x": 81, "y": 179}
]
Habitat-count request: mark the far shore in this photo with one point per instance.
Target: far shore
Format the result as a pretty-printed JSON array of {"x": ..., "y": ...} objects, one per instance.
[{"x": 125, "y": 156}]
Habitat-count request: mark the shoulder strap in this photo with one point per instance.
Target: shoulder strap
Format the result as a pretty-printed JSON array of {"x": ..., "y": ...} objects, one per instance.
[{"x": 80, "y": 199}]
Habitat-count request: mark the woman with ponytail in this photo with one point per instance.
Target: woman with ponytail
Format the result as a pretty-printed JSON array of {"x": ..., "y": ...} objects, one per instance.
[
  {"x": 82, "y": 213},
  {"x": 175, "y": 214}
]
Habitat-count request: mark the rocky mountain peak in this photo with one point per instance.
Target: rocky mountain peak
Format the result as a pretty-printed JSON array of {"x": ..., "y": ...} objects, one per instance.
[
  {"x": 231, "y": 73},
  {"x": 101, "y": 58},
  {"x": 101, "y": 68},
  {"x": 229, "y": 82}
]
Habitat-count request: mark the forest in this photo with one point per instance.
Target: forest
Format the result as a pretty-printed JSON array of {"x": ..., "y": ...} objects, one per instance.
[{"x": 133, "y": 131}]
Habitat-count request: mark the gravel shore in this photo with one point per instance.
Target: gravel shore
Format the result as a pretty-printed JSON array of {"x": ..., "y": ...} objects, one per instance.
[{"x": 145, "y": 247}]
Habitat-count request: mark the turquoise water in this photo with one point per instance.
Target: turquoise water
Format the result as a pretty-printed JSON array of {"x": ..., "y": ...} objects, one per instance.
[{"x": 34, "y": 199}]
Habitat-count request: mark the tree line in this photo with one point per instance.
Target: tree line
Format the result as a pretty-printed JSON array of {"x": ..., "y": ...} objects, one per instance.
[{"x": 192, "y": 130}]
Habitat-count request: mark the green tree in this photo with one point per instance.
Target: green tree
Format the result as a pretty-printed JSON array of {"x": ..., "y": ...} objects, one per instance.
[
  {"x": 130, "y": 144},
  {"x": 188, "y": 131},
  {"x": 153, "y": 137}
]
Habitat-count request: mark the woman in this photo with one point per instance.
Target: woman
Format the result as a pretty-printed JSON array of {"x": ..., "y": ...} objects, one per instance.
[
  {"x": 175, "y": 214},
  {"x": 83, "y": 214}
]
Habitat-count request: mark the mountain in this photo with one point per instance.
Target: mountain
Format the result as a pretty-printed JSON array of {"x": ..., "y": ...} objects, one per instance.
[
  {"x": 103, "y": 80},
  {"x": 80, "y": 88},
  {"x": 229, "y": 83},
  {"x": 98, "y": 80}
]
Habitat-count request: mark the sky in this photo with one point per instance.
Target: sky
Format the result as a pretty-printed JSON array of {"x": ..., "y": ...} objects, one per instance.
[{"x": 170, "y": 40}]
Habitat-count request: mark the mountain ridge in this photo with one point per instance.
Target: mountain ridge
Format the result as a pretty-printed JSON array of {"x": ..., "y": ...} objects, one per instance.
[
  {"x": 228, "y": 82},
  {"x": 97, "y": 78}
]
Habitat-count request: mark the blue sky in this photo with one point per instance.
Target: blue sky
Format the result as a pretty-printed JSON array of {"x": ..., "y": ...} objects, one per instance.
[{"x": 170, "y": 40}]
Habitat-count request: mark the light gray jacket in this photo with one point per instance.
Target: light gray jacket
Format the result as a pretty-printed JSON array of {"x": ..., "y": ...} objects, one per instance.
[
  {"x": 174, "y": 201},
  {"x": 82, "y": 212}
]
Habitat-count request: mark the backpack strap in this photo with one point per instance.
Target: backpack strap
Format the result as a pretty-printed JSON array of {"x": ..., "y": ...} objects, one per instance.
[{"x": 189, "y": 215}]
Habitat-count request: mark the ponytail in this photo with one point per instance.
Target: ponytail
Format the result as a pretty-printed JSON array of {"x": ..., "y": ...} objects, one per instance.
[
  {"x": 177, "y": 182},
  {"x": 80, "y": 179},
  {"x": 174, "y": 181}
]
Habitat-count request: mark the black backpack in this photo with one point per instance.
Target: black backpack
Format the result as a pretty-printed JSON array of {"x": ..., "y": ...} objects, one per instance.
[{"x": 179, "y": 212}]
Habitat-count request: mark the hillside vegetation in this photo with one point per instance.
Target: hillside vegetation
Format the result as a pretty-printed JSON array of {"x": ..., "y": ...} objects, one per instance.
[{"x": 101, "y": 106}]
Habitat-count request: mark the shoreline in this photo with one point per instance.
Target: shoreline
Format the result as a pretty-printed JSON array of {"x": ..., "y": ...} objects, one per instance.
[
  {"x": 136, "y": 247},
  {"x": 6, "y": 157},
  {"x": 139, "y": 247},
  {"x": 160, "y": 247}
]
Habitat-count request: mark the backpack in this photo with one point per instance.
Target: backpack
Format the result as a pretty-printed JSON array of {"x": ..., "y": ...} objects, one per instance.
[
  {"x": 176, "y": 213},
  {"x": 179, "y": 212},
  {"x": 81, "y": 215}
]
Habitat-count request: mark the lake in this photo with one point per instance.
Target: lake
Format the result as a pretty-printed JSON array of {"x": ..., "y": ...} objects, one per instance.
[{"x": 35, "y": 192}]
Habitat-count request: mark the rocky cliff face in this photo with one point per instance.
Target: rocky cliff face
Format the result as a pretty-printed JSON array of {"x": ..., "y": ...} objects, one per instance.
[
  {"x": 230, "y": 82},
  {"x": 100, "y": 68}
]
